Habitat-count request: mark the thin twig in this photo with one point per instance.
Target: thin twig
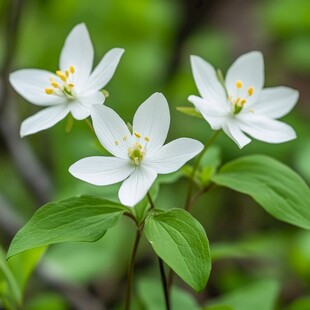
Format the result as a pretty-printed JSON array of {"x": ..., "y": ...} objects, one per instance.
[{"x": 165, "y": 283}]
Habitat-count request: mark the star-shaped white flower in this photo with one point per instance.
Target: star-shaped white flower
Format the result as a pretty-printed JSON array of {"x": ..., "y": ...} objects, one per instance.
[
  {"x": 74, "y": 88},
  {"x": 140, "y": 155},
  {"x": 242, "y": 105}
]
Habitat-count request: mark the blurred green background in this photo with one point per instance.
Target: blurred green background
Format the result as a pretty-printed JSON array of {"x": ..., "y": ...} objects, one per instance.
[{"x": 158, "y": 36}]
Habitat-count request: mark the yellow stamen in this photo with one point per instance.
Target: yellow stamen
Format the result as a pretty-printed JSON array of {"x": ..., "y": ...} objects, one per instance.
[
  {"x": 239, "y": 84},
  {"x": 67, "y": 73},
  {"x": 116, "y": 142},
  {"x": 137, "y": 135},
  {"x": 243, "y": 102},
  {"x": 55, "y": 84},
  {"x": 71, "y": 85},
  {"x": 48, "y": 91},
  {"x": 147, "y": 139},
  {"x": 237, "y": 101},
  {"x": 61, "y": 75},
  {"x": 72, "y": 69},
  {"x": 250, "y": 91}
]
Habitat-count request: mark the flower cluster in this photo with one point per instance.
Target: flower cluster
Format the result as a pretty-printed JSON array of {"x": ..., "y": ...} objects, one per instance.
[{"x": 237, "y": 105}]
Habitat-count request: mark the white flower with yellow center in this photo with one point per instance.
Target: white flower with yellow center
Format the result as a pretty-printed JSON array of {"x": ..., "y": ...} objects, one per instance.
[
  {"x": 139, "y": 155},
  {"x": 74, "y": 88},
  {"x": 241, "y": 105}
]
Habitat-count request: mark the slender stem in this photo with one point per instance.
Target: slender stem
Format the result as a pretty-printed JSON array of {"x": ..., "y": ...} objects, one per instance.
[
  {"x": 165, "y": 283},
  {"x": 149, "y": 197},
  {"x": 191, "y": 180},
  {"x": 131, "y": 266},
  {"x": 89, "y": 124}
]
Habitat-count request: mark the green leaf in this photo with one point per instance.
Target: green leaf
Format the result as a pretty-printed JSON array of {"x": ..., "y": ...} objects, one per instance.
[
  {"x": 300, "y": 304},
  {"x": 277, "y": 188},
  {"x": 180, "y": 240},
  {"x": 255, "y": 296},
  {"x": 84, "y": 218},
  {"x": 189, "y": 111}
]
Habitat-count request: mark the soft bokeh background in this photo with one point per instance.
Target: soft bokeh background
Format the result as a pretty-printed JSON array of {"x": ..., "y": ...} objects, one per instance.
[{"x": 158, "y": 36}]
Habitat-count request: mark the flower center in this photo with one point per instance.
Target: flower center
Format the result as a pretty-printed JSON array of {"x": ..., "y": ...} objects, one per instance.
[
  {"x": 65, "y": 87},
  {"x": 137, "y": 151},
  {"x": 239, "y": 102}
]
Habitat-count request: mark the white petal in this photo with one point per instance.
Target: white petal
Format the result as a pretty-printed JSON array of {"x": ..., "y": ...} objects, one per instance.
[
  {"x": 152, "y": 120},
  {"x": 231, "y": 128},
  {"x": 31, "y": 84},
  {"x": 136, "y": 186},
  {"x": 101, "y": 170},
  {"x": 43, "y": 119},
  {"x": 111, "y": 130},
  {"x": 206, "y": 80},
  {"x": 78, "y": 52},
  {"x": 213, "y": 113},
  {"x": 265, "y": 129},
  {"x": 248, "y": 68},
  {"x": 78, "y": 110},
  {"x": 104, "y": 70},
  {"x": 276, "y": 102},
  {"x": 174, "y": 155},
  {"x": 91, "y": 98}
]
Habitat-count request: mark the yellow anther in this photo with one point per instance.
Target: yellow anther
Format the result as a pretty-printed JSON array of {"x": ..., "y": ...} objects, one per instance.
[
  {"x": 239, "y": 84},
  {"x": 237, "y": 101},
  {"x": 125, "y": 138},
  {"x": 55, "y": 84},
  {"x": 147, "y": 139},
  {"x": 67, "y": 73},
  {"x": 137, "y": 135},
  {"x": 243, "y": 102},
  {"x": 250, "y": 91},
  {"x": 48, "y": 91},
  {"x": 61, "y": 75},
  {"x": 70, "y": 85},
  {"x": 116, "y": 142},
  {"x": 72, "y": 69}
]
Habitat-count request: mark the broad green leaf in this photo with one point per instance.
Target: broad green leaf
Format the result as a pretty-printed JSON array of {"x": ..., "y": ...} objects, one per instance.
[
  {"x": 189, "y": 111},
  {"x": 300, "y": 304},
  {"x": 84, "y": 218},
  {"x": 180, "y": 240},
  {"x": 277, "y": 188},
  {"x": 255, "y": 296},
  {"x": 47, "y": 301},
  {"x": 151, "y": 294},
  {"x": 219, "y": 307}
]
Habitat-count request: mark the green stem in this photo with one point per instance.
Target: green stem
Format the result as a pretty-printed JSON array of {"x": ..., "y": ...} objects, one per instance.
[
  {"x": 149, "y": 197},
  {"x": 131, "y": 266},
  {"x": 164, "y": 283},
  {"x": 187, "y": 206}
]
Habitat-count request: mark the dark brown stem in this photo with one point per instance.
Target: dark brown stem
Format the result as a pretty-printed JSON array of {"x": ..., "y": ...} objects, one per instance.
[{"x": 164, "y": 283}]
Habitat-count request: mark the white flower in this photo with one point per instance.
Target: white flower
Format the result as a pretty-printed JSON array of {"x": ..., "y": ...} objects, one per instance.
[
  {"x": 140, "y": 155},
  {"x": 74, "y": 88},
  {"x": 242, "y": 106}
]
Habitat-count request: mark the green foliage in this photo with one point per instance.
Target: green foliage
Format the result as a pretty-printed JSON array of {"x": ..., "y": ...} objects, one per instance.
[
  {"x": 84, "y": 218},
  {"x": 189, "y": 111},
  {"x": 277, "y": 188},
  {"x": 255, "y": 296},
  {"x": 300, "y": 304},
  {"x": 180, "y": 240},
  {"x": 151, "y": 294}
]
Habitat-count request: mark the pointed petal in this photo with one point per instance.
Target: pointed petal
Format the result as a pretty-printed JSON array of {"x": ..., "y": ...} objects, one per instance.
[
  {"x": 213, "y": 113},
  {"x": 43, "y": 119},
  {"x": 104, "y": 70},
  {"x": 152, "y": 120},
  {"x": 111, "y": 130},
  {"x": 234, "y": 132},
  {"x": 265, "y": 129},
  {"x": 174, "y": 155},
  {"x": 101, "y": 170},
  {"x": 248, "y": 68},
  {"x": 206, "y": 80},
  {"x": 78, "y": 52},
  {"x": 31, "y": 84},
  {"x": 276, "y": 102},
  {"x": 136, "y": 186},
  {"x": 91, "y": 98}
]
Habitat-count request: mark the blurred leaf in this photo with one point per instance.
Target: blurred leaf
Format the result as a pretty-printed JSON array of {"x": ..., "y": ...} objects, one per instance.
[
  {"x": 190, "y": 111},
  {"x": 180, "y": 240},
  {"x": 84, "y": 218},
  {"x": 219, "y": 307},
  {"x": 47, "y": 301},
  {"x": 255, "y": 296},
  {"x": 300, "y": 304},
  {"x": 151, "y": 294},
  {"x": 23, "y": 264},
  {"x": 277, "y": 188},
  {"x": 10, "y": 293},
  {"x": 209, "y": 165}
]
